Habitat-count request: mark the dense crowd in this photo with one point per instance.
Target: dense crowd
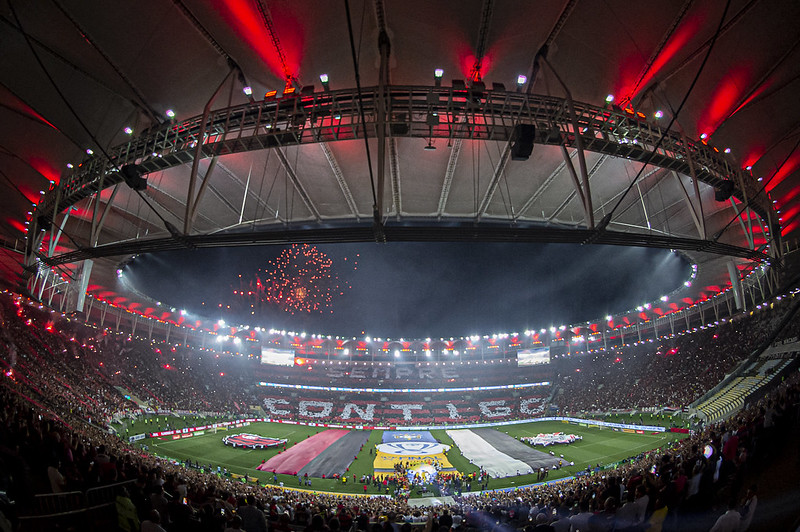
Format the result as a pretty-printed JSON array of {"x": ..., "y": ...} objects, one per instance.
[
  {"x": 56, "y": 390},
  {"x": 669, "y": 373}
]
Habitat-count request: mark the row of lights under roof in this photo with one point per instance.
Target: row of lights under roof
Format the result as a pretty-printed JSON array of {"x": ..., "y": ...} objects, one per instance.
[{"x": 438, "y": 73}]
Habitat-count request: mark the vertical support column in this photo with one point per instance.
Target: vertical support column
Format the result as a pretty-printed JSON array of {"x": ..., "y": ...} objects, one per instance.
[
  {"x": 103, "y": 314},
  {"x": 83, "y": 283},
  {"x": 736, "y": 286}
]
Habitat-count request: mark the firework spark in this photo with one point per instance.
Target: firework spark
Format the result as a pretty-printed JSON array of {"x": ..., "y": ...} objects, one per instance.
[{"x": 301, "y": 279}]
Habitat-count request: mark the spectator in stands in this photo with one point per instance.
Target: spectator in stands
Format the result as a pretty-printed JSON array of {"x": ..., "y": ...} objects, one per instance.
[{"x": 152, "y": 523}]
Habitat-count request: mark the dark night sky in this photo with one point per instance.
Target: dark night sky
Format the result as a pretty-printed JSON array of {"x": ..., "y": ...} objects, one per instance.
[{"x": 418, "y": 290}]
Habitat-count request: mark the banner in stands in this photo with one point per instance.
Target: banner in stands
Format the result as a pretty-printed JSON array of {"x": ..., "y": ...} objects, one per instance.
[{"x": 497, "y": 409}]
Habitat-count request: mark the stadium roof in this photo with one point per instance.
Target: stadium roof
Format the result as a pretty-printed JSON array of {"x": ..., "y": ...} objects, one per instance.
[{"x": 703, "y": 104}]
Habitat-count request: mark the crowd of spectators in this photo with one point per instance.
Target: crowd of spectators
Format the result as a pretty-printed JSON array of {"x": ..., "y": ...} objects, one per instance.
[
  {"x": 344, "y": 373},
  {"x": 669, "y": 373},
  {"x": 55, "y": 391}
]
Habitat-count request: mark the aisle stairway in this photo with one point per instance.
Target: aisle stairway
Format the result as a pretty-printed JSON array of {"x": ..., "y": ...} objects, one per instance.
[{"x": 732, "y": 397}]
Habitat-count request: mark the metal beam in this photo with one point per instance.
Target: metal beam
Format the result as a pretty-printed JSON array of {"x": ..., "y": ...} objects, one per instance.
[
  {"x": 339, "y": 176},
  {"x": 394, "y": 174},
  {"x": 544, "y": 186},
  {"x": 499, "y": 169},
  {"x": 298, "y": 186},
  {"x": 578, "y": 139},
  {"x": 98, "y": 227},
  {"x": 464, "y": 231},
  {"x": 452, "y": 162},
  {"x": 699, "y": 222},
  {"x": 199, "y": 144},
  {"x": 203, "y": 186},
  {"x": 578, "y": 190}
]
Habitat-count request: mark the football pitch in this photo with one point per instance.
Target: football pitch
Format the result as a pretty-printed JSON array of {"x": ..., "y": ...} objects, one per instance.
[{"x": 599, "y": 446}]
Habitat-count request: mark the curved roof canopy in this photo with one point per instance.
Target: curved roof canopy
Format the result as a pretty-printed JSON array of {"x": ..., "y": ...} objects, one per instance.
[{"x": 669, "y": 125}]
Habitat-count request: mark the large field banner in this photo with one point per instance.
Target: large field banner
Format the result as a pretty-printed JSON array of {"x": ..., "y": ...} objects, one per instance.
[{"x": 410, "y": 448}]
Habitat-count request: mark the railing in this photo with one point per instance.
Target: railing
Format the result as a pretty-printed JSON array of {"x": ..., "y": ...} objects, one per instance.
[{"x": 81, "y": 508}]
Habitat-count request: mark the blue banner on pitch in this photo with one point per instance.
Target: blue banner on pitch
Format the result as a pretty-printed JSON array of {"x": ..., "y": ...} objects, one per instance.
[{"x": 391, "y": 436}]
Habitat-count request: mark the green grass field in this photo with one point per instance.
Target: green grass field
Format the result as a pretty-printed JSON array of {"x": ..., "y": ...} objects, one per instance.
[{"x": 599, "y": 446}]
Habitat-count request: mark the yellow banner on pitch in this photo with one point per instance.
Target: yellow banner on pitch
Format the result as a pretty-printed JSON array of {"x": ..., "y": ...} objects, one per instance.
[{"x": 385, "y": 462}]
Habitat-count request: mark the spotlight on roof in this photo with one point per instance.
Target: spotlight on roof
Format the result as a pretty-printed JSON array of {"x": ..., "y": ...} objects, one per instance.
[
  {"x": 128, "y": 130},
  {"x": 247, "y": 90},
  {"x": 659, "y": 114},
  {"x": 70, "y": 166},
  {"x": 727, "y": 150},
  {"x": 89, "y": 151},
  {"x": 170, "y": 113},
  {"x": 437, "y": 76},
  {"x": 609, "y": 98},
  {"x": 521, "y": 79},
  {"x": 323, "y": 78},
  {"x": 704, "y": 136},
  {"x": 748, "y": 167}
]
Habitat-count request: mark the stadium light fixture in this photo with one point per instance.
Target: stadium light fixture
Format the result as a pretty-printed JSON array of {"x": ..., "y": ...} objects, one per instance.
[
  {"x": 170, "y": 113},
  {"x": 658, "y": 114},
  {"x": 323, "y": 78},
  {"x": 396, "y": 353},
  {"x": 609, "y": 98},
  {"x": 128, "y": 130}
]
